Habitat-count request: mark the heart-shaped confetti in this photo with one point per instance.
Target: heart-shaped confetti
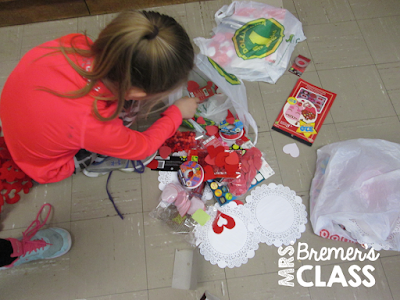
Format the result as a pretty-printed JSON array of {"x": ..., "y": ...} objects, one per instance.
[
  {"x": 220, "y": 159},
  {"x": 208, "y": 173},
  {"x": 232, "y": 158},
  {"x": 230, "y": 118},
  {"x": 212, "y": 130},
  {"x": 292, "y": 150},
  {"x": 153, "y": 164},
  {"x": 164, "y": 151},
  {"x": 192, "y": 86},
  {"x": 201, "y": 120},
  {"x": 209, "y": 160}
]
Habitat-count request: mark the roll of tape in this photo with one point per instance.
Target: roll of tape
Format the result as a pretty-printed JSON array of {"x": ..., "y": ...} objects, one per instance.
[{"x": 191, "y": 174}]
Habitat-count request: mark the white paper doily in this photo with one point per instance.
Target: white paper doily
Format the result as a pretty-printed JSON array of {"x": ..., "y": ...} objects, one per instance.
[
  {"x": 279, "y": 215},
  {"x": 233, "y": 246},
  {"x": 165, "y": 177}
]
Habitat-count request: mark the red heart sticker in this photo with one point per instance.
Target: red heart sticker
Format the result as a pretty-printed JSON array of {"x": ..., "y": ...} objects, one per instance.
[
  {"x": 212, "y": 130},
  {"x": 230, "y": 118},
  {"x": 208, "y": 173},
  {"x": 213, "y": 152},
  {"x": 164, "y": 151},
  {"x": 232, "y": 159},
  {"x": 201, "y": 120},
  {"x": 231, "y": 168},
  {"x": 220, "y": 159},
  {"x": 209, "y": 160},
  {"x": 228, "y": 221},
  {"x": 153, "y": 164},
  {"x": 192, "y": 86}
]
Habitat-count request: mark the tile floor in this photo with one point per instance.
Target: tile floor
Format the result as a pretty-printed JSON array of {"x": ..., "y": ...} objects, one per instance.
[{"x": 354, "y": 46}]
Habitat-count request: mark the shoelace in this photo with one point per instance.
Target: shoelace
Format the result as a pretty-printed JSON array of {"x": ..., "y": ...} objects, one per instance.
[{"x": 26, "y": 245}]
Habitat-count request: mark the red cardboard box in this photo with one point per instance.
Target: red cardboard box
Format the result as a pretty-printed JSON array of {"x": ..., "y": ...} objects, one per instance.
[{"x": 304, "y": 112}]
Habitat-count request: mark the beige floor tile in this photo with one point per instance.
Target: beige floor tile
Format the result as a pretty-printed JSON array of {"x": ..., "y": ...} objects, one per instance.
[
  {"x": 125, "y": 296},
  {"x": 5, "y": 71},
  {"x": 392, "y": 272},
  {"x": 108, "y": 256},
  {"x": 337, "y": 45},
  {"x": 38, "y": 33},
  {"x": 390, "y": 74},
  {"x": 289, "y": 5},
  {"x": 37, "y": 280},
  {"x": 264, "y": 262},
  {"x": 298, "y": 172},
  {"x": 382, "y": 128},
  {"x": 161, "y": 244},
  {"x": 361, "y": 94},
  {"x": 319, "y": 12},
  {"x": 22, "y": 213},
  {"x": 150, "y": 190},
  {"x": 215, "y": 288},
  {"x": 261, "y": 287},
  {"x": 94, "y": 24},
  {"x": 374, "y": 9},
  {"x": 382, "y": 36},
  {"x": 90, "y": 199},
  {"x": 10, "y": 43},
  {"x": 380, "y": 289}
]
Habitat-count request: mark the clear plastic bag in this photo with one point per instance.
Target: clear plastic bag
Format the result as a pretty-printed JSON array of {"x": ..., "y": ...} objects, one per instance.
[
  {"x": 253, "y": 40},
  {"x": 355, "y": 193}
]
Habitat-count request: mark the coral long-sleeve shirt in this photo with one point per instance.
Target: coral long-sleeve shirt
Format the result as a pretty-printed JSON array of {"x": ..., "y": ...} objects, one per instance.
[{"x": 44, "y": 132}]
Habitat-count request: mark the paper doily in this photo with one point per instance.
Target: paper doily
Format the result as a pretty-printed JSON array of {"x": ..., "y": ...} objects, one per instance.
[
  {"x": 165, "y": 177},
  {"x": 235, "y": 241},
  {"x": 279, "y": 215}
]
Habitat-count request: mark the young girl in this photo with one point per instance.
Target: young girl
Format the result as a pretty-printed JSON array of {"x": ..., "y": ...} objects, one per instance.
[{"x": 67, "y": 94}]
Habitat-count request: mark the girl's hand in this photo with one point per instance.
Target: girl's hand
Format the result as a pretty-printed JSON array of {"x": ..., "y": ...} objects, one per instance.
[{"x": 187, "y": 106}]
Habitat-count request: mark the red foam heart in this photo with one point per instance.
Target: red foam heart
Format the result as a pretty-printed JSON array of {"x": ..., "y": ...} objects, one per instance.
[
  {"x": 192, "y": 86},
  {"x": 153, "y": 164},
  {"x": 231, "y": 168},
  {"x": 220, "y": 159},
  {"x": 232, "y": 159},
  {"x": 209, "y": 160},
  {"x": 164, "y": 151},
  {"x": 211, "y": 130},
  {"x": 208, "y": 173},
  {"x": 201, "y": 120},
  {"x": 213, "y": 152},
  {"x": 230, "y": 118},
  {"x": 218, "y": 229}
]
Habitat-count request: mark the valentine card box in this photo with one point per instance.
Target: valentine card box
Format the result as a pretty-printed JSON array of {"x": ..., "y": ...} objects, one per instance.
[{"x": 304, "y": 112}]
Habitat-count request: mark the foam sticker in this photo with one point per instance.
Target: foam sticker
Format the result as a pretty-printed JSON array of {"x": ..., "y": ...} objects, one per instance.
[
  {"x": 201, "y": 120},
  {"x": 212, "y": 130},
  {"x": 232, "y": 159},
  {"x": 220, "y": 159},
  {"x": 164, "y": 151},
  {"x": 292, "y": 150},
  {"x": 209, "y": 160}
]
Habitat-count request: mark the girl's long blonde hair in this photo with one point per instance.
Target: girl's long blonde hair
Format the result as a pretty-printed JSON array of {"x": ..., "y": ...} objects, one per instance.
[{"x": 146, "y": 50}]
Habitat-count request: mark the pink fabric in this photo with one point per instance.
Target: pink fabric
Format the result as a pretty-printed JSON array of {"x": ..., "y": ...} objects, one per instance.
[{"x": 44, "y": 132}]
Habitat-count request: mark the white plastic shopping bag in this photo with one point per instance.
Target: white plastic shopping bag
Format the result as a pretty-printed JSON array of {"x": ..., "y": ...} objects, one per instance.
[
  {"x": 231, "y": 94},
  {"x": 253, "y": 40},
  {"x": 355, "y": 193}
]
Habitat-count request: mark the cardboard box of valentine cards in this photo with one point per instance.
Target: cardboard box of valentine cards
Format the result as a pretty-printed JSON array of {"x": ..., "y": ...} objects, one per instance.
[{"x": 304, "y": 112}]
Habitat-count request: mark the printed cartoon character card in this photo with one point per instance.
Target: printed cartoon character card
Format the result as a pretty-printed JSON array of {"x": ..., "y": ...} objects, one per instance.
[{"x": 304, "y": 112}]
